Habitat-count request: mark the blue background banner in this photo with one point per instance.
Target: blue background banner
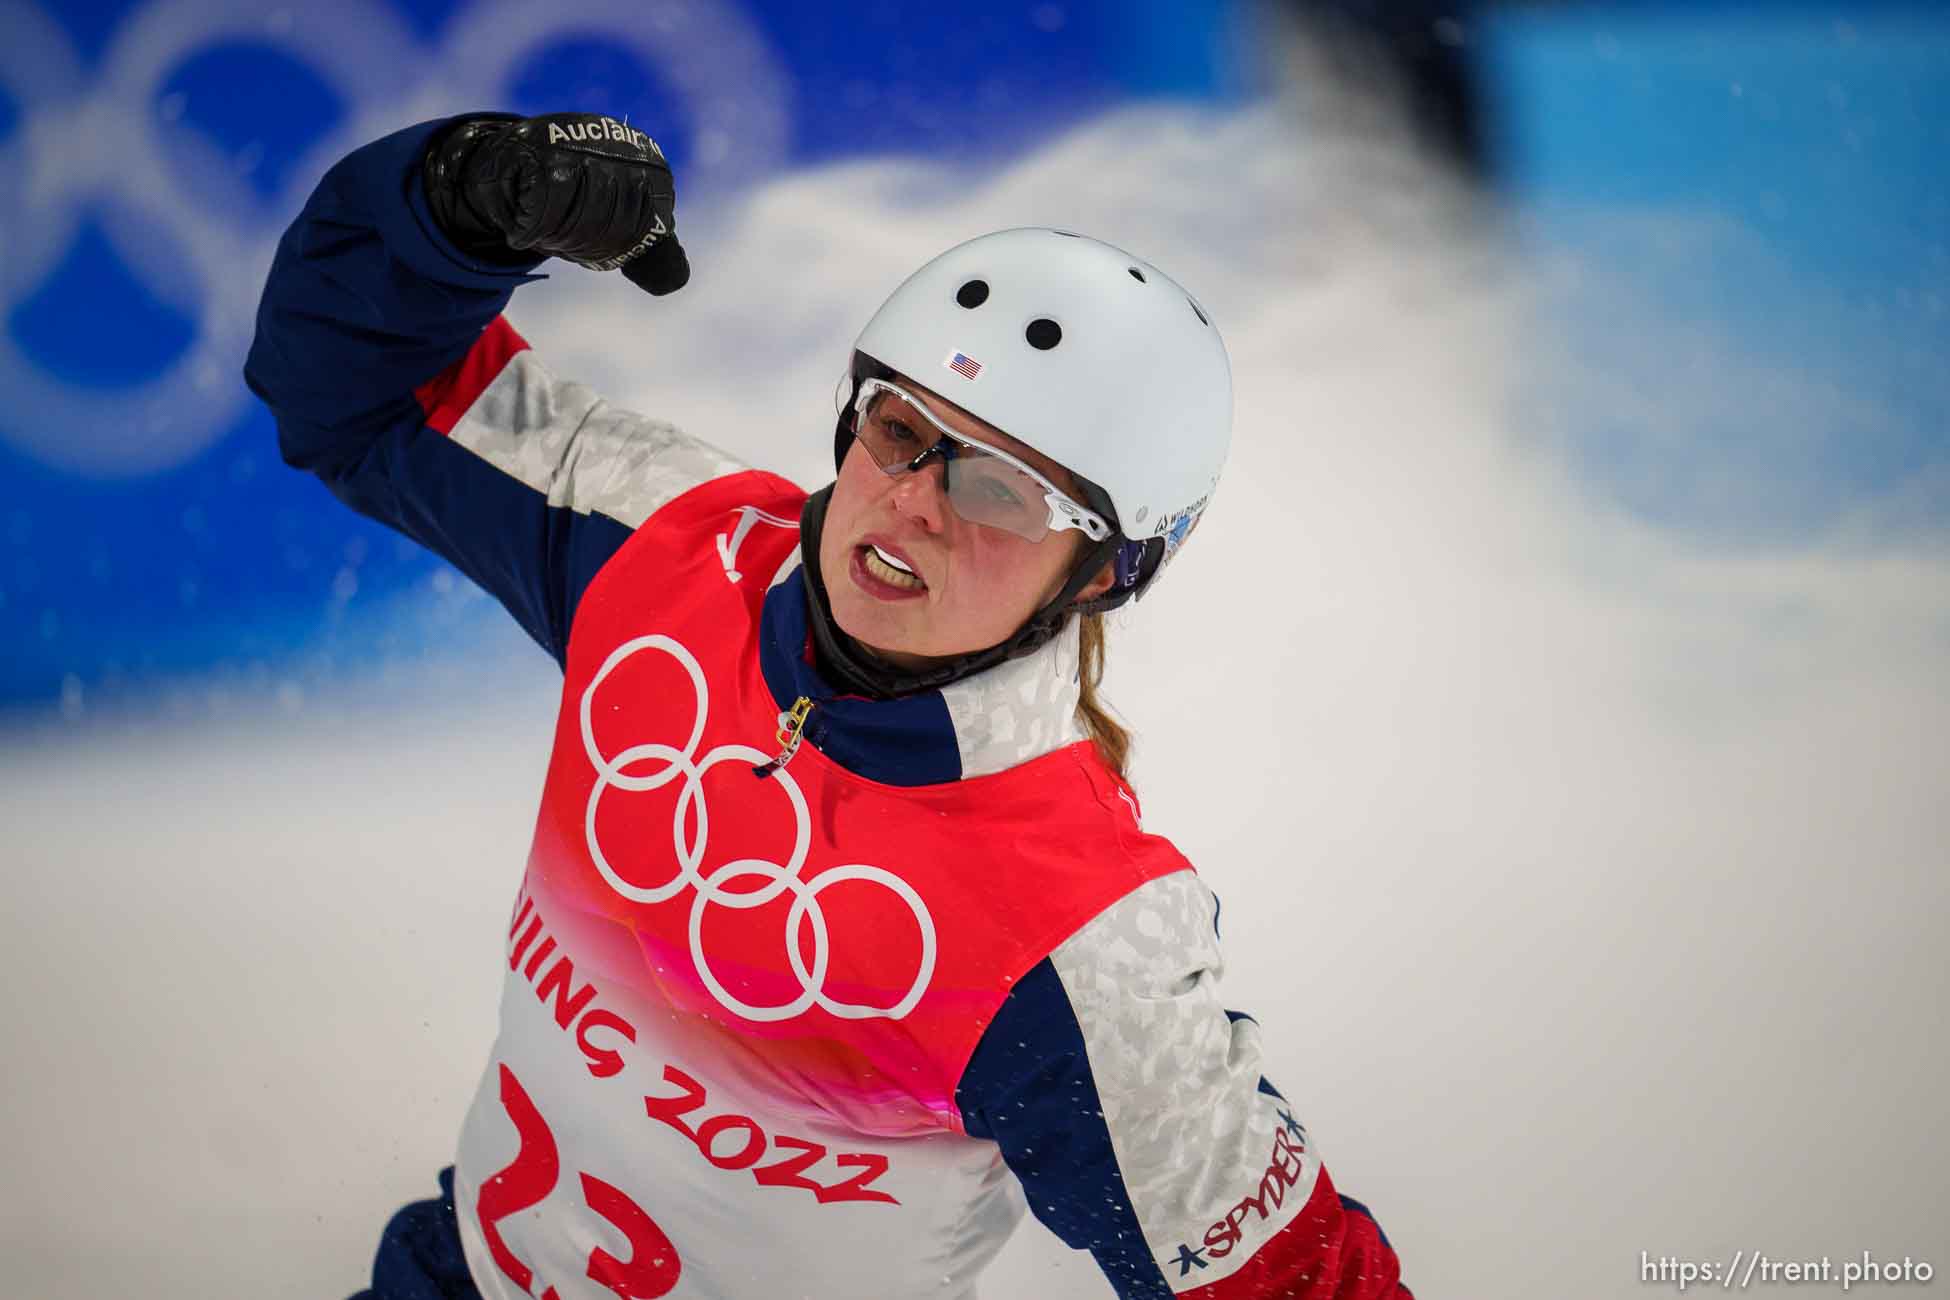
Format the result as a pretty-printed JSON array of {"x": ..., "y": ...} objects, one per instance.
[
  {"x": 147, "y": 527},
  {"x": 147, "y": 530}
]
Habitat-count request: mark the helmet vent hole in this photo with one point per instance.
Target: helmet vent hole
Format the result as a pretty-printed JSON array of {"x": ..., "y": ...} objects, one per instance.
[
  {"x": 1043, "y": 334},
  {"x": 973, "y": 294},
  {"x": 1135, "y": 274},
  {"x": 1196, "y": 312},
  {"x": 1067, "y": 234}
]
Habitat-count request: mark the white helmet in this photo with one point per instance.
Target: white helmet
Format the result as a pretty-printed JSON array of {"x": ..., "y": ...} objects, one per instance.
[{"x": 1094, "y": 357}]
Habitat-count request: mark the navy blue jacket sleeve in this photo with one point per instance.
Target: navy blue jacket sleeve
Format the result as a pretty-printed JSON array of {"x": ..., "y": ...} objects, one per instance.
[
  {"x": 1029, "y": 1089},
  {"x": 393, "y": 376},
  {"x": 1131, "y": 1107}
]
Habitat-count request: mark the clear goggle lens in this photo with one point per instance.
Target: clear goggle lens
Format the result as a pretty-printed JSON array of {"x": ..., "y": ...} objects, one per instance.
[{"x": 984, "y": 485}]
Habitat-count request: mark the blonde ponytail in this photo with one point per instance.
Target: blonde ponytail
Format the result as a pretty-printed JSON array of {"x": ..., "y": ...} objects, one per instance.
[{"x": 1112, "y": 741}]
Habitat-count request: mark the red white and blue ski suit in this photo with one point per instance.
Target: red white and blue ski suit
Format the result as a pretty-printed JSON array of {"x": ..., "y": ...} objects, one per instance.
[{"x": 821, "y": 1033}]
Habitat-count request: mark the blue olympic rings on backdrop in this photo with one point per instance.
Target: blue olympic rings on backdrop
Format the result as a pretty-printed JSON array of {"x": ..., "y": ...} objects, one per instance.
[{"x": 198, "y": 237}]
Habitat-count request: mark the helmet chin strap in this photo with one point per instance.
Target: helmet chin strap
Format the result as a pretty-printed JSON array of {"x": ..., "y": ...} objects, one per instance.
[{"x": 857, "y": 669}]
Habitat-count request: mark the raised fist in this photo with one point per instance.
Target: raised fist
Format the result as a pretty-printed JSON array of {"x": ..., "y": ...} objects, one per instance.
[{"x": 572, "y": 185}]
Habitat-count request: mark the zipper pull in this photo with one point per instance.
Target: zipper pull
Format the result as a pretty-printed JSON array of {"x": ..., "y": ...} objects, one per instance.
[{"x": 792, "y": 726}]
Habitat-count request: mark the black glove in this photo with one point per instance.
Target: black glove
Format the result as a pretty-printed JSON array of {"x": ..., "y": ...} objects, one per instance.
[{"x": 570, "y": 185}]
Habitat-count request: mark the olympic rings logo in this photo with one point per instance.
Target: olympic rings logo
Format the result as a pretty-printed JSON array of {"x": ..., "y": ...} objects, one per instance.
[
  {"x": 616, "y": 773},
  {"x": 104, "y": 143}
]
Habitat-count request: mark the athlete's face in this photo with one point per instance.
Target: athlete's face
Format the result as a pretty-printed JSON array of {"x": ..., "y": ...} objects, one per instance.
[{"x": 973, "y": 585}]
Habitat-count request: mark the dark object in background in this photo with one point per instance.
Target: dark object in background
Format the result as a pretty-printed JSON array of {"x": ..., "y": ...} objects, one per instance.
[{"x": 1428, "y": 47}]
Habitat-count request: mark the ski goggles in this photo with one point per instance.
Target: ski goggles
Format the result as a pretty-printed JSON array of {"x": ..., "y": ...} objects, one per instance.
[{"x": 984, "y": 484}]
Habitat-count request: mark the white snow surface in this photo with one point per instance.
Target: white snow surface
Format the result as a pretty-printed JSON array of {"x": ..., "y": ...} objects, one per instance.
[{"x": 1588, "y": 880}]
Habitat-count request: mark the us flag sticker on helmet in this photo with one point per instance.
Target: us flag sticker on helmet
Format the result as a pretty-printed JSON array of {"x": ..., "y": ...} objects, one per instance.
[{"x": 965, "y": 366}]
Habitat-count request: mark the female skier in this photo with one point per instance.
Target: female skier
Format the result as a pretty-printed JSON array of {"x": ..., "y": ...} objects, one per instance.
[{"x": 840, "y": 940}]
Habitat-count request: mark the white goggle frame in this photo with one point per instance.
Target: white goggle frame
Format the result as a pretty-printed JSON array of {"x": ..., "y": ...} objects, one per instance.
[{"x": 1064, "y": 511}]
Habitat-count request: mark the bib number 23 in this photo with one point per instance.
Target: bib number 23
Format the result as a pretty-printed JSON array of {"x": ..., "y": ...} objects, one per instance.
[{"x": 652, "y": 1268}]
